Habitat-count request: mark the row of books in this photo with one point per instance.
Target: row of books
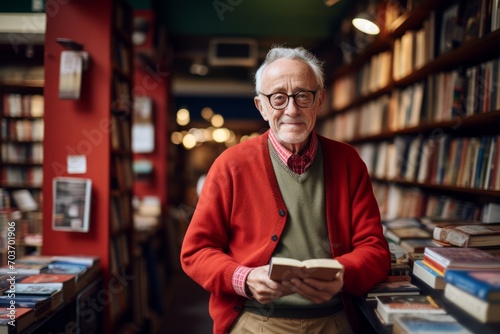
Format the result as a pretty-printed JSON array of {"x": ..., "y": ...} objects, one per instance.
[
  {"x": 23, "y": 105},
  {"x": 38, "y": 285},
  {"x": 402, "y": 202},
  {"x": 446, "y": 96},
  {"x": 469, "y": 162},
  {"x": 22, "y": 129},
  {"x": 22, "y": 176},
  {"x": 120, "y": 133},
  {"x": 21, "y": 153}
]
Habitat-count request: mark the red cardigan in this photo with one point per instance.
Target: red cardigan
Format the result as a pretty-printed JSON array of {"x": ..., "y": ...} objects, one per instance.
[{"x": 241, "y": 214}]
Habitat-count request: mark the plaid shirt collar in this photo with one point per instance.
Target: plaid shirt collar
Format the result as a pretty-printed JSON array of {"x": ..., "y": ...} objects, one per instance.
[{"x": 297, "y": 163}]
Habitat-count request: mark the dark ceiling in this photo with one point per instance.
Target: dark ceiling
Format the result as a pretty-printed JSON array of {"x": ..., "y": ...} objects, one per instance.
[{"x": 190, "y": 25}]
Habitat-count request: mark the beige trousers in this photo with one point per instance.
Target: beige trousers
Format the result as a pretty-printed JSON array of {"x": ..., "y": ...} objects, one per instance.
[{"x": 250, "y": 323}]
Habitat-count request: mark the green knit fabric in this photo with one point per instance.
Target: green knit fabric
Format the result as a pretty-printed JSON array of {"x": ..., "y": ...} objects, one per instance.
[{"x": 305, "y": 235}]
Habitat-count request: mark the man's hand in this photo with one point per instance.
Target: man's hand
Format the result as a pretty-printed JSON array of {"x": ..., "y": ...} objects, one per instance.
[
  {"x": 263, "y": 289},
  {"x": 315, "y": 290}
]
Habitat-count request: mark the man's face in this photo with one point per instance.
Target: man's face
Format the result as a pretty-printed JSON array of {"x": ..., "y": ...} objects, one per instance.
[{"x": 291, "y": 125}]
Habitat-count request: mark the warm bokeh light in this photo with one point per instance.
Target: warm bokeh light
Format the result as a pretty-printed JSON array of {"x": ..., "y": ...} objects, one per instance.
[
  {"x": 207, "y": 113},
  {"x": 217, "y": 120},
  {"x": 183, "y": 117},
  {"x": 176, "y": 137},
  {"x": 189, "y": 141},
  {"x": 221, "y": 135}
]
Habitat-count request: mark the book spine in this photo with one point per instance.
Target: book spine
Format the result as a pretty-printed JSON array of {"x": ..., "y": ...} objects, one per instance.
[{"x": 462, "y": 281}]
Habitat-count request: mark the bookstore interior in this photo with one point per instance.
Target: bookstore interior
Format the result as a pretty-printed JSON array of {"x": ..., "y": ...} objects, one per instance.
[{"x": 110, "y": 119}]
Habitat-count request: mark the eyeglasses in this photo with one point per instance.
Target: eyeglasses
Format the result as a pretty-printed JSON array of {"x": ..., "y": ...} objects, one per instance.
[{"x": 302, "y": 99}]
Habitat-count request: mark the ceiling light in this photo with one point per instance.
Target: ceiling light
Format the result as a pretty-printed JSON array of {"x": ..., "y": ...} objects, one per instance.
[{"x": 366, "y": 23}]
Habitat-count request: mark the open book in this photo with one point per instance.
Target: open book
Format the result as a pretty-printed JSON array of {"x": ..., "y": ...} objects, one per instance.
[{"x": 286, "y": 268}]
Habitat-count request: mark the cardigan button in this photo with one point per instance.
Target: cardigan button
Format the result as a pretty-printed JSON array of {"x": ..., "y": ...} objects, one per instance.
[
  {"x": 274, "y": 237},
  {"x": 236, "y": 308},
  {"x": 282, "y": 213}
]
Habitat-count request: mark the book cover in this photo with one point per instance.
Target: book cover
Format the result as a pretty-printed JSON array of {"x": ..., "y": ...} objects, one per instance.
[
  {"x": 414, "y": 232},
  {"x": 40, "y": 304},
  {"x": 17, "y": 320},
  {"x": 476, "y": 235},
  {"x": 286, "y": 268},
  {"x": 463, "y": 258},
  {"x": 62, "y": 267},
  {"x": 417, "y": 245},
  {"x": 71, "y": 209},
  {"x": 482, "y": 310},
  {"x": 393, "y": 288},
  {"x": 67, "y": 282},
  {"x": 26, "y": 268},
  {"x": 484, "y": 284},
  {"x": 388, "y": 306},
  {"x": 428, "y": 275},
  {"x": 428, "y": 324}
]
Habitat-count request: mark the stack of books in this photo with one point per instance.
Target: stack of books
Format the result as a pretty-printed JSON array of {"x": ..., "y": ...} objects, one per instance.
[
  {"x": 427, "y": 324},
  {"x": 39, "y": 285},
  {"x": 428, "y": 275},
  {"x": 445, "y": 258},
  {"x": 477, "y": 292},
  {"x": 388, "y": 307}
]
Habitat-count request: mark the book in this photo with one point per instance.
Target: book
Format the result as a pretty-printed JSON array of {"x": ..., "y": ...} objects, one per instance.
[
  {"x": 52, "y": 290},
  {"x": 482, "y": 310},
  {"x": 427, "y": 324},
  {"x": 393, "y": 288},
  {"x": 26, "y": 268},
  {"x": 417, "y": 245},
  {"x": 62, "y": 267},
  {"x": 477, "y": 235},
  {"x": 484, "y": 284},
  {"x": 413, "y": 232},
  {"x": 286, "y": 268},
  {"x": 428, "y": 275},
  {"x": 41, "y": 305},
  {"x": 388, "y": 306},
  {"x": 460, "y": 258},
  {"x": 16, "y": 320},
  {"x": 66, "y": 282}
]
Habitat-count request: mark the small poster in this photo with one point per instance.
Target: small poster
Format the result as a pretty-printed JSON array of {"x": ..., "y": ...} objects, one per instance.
[
  {"x": 71, "y": 209},
  {"x": 70, "y": 75}
]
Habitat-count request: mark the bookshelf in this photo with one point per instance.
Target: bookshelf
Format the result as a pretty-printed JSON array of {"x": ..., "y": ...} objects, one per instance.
[
  {"x": 412, "y": 104},
  {"x": 96, "y": 130},
  {"x": 21, "y": 156}
]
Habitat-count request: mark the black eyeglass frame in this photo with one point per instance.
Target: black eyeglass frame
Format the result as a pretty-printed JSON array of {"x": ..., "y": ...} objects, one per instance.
[{"x": 291, "y": 96}]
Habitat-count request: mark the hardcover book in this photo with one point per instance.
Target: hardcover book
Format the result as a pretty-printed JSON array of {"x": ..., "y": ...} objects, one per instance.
[
  {"x": 484, "y": 284},
  {"x": 460, "y": 258},
  {"x": 482, "y": 310},
  {"x": 389, "y": 306},
  {"x": 286, "y": 268},
  {"x": 427, "y": 324},
  {"x": 477, "y": 235},
  {"x": 66, "y": 281}
]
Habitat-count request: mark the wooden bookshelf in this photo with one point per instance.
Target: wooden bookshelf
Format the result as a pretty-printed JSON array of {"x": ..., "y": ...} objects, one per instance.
[
  {"x": 96, "y": 128},
  {"x": 473, "y": 114},
  {"x": 21, "y": 157}
]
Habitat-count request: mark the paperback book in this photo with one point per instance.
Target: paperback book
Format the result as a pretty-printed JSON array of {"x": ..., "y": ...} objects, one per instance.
[
  {"x": 427, "y": 324},
  {"x": 389, "y": 306},
  {"x": 428, "y": 275},
  {"x": 286, "y": 268},
  {"x": 393, "y": 288},
  {"x": 477, "y": 235},
  {"x": 484, "y": 284},
  {"x": 460, "y": 258},
  {"x": 482, "y": 310}
]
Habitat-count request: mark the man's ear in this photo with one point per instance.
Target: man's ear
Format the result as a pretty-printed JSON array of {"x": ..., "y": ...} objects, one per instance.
[{"x": 258, "y": 105}]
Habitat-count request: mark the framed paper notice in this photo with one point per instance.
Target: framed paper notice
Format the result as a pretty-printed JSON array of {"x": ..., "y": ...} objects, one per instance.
[{"x": 71, "y": 208}]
